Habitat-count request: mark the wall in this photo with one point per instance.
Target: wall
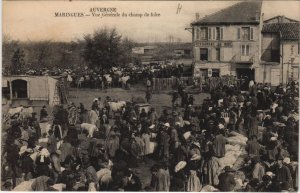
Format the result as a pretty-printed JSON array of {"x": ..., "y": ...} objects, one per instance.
[
  {"x": 230, "y": 47},
  {"x": 290, "y": 50}
]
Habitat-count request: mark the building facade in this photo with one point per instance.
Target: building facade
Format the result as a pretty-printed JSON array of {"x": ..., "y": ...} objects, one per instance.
[
  {"x": 280, "y": 51},
  {"x": 228, "y": 42}
]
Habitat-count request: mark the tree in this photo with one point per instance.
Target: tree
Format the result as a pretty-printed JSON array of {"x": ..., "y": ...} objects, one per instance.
[
  {"x": 126, "y": 50},
  {"x": 102, "y": 50},
  {"x": 18, "y": 62}
]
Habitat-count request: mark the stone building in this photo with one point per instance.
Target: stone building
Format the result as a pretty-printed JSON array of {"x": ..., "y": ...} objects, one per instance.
[
  {"x": 280, "y": 51},
  {"x": 228, "y": 42}
]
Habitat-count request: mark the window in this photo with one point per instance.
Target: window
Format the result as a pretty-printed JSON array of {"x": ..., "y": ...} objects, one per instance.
[
  {"x": 251, "y": 33},
  {"x": 245, "y": 33},
  {"x": 218, "y": 56},
  {"x": 203, "y": 33},
  {"x": 221, "y": 33},
  {"x": 239, "y": 33},
  {"x": 19, "y": 89},
  {"x": 215, "y": 72},
  {"x": 203, "y": 54},
  {"x": 197, "y": 33},
  {"x": 218, "y": 33},
  {"x": 245, "y": 50}
]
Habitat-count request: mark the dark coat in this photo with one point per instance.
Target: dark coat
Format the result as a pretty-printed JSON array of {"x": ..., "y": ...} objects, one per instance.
[
  {"x": 226, "y": 182},
  {"x": 284, "y": 175}
]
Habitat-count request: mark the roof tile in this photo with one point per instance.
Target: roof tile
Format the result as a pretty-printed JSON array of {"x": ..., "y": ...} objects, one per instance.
[
  {"x": 287, "y": 30},
  {"x": 243, "y": 12}
]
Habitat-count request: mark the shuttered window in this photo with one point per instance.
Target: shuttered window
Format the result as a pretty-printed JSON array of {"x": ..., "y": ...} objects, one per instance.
[
  {"x": 221, "y": 33},
  {"x": 197, "y": 33},
  {"x": 218, "y": 54},
  {"x": 217, "y": 33},
  {"x": 209, "y": 34},
  {"x": 214, "y": 33},
  {"x": 251, "y": 33},
  {"x": 203, "y": 33},
  {"x": 238, "y": 33}
]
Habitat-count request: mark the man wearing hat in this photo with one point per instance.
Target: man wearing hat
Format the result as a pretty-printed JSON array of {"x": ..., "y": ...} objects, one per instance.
[
  {"x": 163, "y": 143},
  {"x": 219, "y": 144},
  {"x": 179, "y": 178},
  {"x": 56, "y": 166},
  {"x": 226, "y": 180},
  {"x": 43, "y": 114},
  {"x": 258, "y": 170},
  {"x": 283, "y": 173}
]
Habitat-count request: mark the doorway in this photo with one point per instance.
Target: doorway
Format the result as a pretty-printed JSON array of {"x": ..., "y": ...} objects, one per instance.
[{"x": 245, "y": 75}]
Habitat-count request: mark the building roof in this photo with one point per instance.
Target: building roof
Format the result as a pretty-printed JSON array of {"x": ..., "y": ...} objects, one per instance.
[
  {"x": 278, "y": 18},
  {"x": 239, "y": 13},
  {"x": 149, "y": 47},
  {"x": 289, "y": 31}
]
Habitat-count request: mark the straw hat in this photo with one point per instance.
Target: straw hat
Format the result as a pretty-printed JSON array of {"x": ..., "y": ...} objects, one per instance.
[
  {"x": 167, "y": 124},
  {"x": 152, "y": 126},
  {"x": 221, "y": 126},
  {"x": 269, "y": 173},
  {"x": 273, "y": 138},
  {"x": 287, "y": 160},
  {"x": 195, "y": 157}
]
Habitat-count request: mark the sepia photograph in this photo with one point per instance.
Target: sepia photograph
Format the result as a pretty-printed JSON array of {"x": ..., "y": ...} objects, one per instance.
[{"x": 154, "y": 96}]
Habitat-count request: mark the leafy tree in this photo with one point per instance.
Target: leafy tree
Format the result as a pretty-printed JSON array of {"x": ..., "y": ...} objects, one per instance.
[
  {"x": 18, "y": 62},
  {"x": 102, "y": 50},
  {"x": 126, "y": 49}
]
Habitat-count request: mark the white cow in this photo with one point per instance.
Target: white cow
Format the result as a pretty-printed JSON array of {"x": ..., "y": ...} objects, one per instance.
[
  {"x": 45, "y": 128},
  {"x": 117, "y": 106},
  {"x": 108, "y": 79},
  {"x": 89, "y": 127},
  {"x": 20, "y": 112}
]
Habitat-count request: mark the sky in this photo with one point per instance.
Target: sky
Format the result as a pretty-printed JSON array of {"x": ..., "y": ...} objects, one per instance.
[{"x": 35, "y": 20}]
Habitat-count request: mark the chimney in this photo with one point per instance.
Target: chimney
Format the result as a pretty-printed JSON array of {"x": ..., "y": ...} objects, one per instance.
[
  {"x": 197, "y": 16},
  {"x": 257, "y": 16}
]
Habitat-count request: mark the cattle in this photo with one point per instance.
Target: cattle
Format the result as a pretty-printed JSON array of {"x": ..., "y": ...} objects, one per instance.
[
  {"x": 124, "y": 80},
  {"x": 45, "y": 128},
  {"x": 89, "y": 127},
  {"x": 108, "y": 79},
  {"x": 20, "y": 113},
  {"x": 117, "y": 107}
]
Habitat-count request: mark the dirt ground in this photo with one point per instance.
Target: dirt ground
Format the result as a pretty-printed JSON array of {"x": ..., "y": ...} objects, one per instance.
[{"x": 159, "y": 100}]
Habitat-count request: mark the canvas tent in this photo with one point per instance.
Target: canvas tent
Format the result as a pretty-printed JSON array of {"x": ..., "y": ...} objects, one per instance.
[{"x": 33, "y": 90}]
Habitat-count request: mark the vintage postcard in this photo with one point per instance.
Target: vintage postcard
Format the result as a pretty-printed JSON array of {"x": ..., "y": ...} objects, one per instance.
[{"x": 150, "y": 96}]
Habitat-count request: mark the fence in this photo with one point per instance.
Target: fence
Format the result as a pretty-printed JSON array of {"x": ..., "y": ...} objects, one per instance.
[
  {"x": 202, "y": 83},
  {"x": 159, "y": 84}
]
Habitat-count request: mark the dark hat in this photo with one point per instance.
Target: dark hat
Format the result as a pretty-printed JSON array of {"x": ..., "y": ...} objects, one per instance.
[
  {"x": 228, "y": 169},
  {"x": 256, "y": 159},
  {"x": 7, "y": 184},
  {"x": 280, "y": 157}
]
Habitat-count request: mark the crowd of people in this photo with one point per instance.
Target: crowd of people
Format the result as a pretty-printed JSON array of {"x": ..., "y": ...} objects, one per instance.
[{"x": 98, "y": 153}]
